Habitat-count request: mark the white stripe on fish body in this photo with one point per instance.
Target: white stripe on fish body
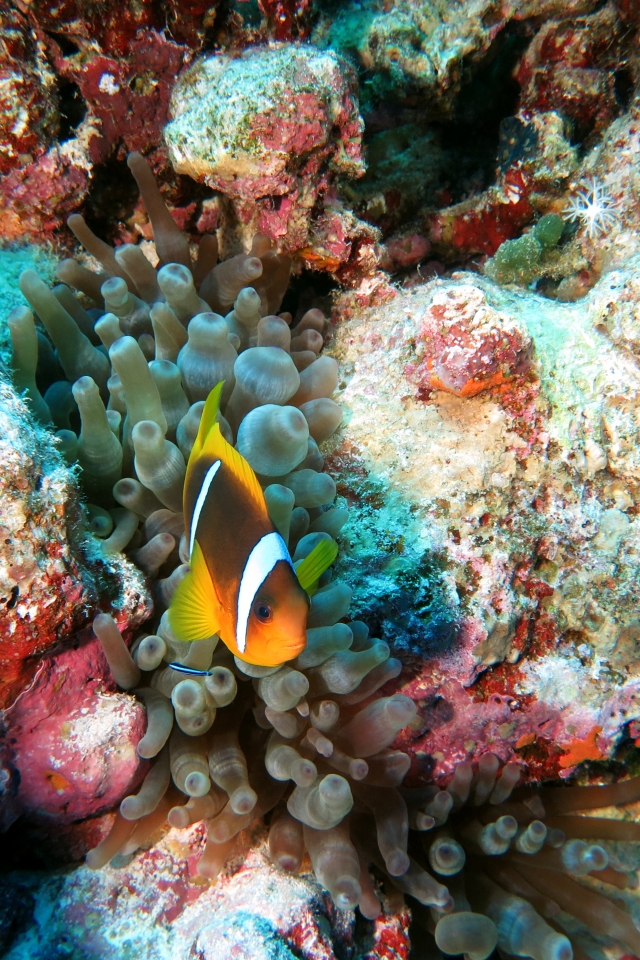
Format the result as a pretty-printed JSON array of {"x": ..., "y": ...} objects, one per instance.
[
  {"x": 202, "y": 496},
  {"x": 267, "y": 552}
]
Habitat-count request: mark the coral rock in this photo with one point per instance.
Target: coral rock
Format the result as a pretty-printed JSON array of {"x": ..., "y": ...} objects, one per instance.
[
  {"x": 467, "y": 345},
  {"x": 124, "y": 107},
  {"x": 494, "y": 538},
  {"x": 73, "y": 741},
  {"x": 271, "y": 129},
  {"x": 570, "y": 67},
  {"x": 50, "y": 579},
  {"x": 252, "y": 912},
  {"x": 28, "y": 114}
]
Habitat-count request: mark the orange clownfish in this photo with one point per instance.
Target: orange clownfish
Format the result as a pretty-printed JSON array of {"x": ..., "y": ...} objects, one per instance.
[{"x": 242, "y": 584}]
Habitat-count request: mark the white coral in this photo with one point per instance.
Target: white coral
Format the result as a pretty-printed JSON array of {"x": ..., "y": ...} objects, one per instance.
[{"x": 594, "y": 208}]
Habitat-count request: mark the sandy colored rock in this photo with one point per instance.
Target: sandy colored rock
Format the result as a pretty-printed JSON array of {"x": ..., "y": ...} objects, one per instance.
[{"x": 494, "y": 539}]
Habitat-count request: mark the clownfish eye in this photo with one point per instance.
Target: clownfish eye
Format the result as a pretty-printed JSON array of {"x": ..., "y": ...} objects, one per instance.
[{"x": 263, "y": 611}]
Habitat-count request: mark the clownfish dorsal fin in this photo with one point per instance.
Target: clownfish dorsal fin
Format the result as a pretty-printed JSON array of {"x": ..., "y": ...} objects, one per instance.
[
  {"x": 194, "y": 611},
  {"x": 213, "y": 446},
  {"x": 208, "y": 419},
  {"x": 314, "y": 565}
]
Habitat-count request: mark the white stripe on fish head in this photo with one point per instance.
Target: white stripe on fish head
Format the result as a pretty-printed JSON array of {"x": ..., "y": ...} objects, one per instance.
[
  {"x": 202, "y": 496},
  {"x": 267, "y": 552}
]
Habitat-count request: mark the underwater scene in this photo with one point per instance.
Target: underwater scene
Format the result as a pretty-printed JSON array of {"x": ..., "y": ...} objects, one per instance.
[{"x": 319, "y": 479}]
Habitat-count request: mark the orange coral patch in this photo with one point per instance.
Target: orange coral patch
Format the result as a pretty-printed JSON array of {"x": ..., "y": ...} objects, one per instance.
[
  {"x": 525, "y": 740},
  {"x": 57, "y": 781},
  {"x": 472, "y": 387},
  {"x": 317, "y": 260},
  {"x": 580, "y": 750}
]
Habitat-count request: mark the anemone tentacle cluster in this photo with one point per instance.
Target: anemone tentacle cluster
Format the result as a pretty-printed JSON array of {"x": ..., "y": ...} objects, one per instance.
[
  {"x": 309, "y": 744},
  {"x": 162, "y": 351},
  {"x": 520, "y": 863}
]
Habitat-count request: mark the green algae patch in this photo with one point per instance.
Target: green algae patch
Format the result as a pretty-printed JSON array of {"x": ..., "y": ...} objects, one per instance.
[{"x": 528, "y": 257}]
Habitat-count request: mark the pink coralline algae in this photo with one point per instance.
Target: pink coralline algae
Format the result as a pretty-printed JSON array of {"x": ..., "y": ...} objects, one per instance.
[
  {"x": 571, "y": 67},
  {"x": 127, "y": 106},
  {"x": 466, "y": 346},
  {"x": 110, "y": 28},
  {"x": 72, "y": 741},
  {"x": 482, "y": 223},
  {"x": 272, "y": 129},
  {"x": 27, "y": 111},
  {"x": 121, "y": 103},
  {"x": 40, "y": 179}
]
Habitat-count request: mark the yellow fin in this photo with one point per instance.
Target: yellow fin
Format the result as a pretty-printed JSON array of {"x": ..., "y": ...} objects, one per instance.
[
  {"x": 208, "y": 418},
  {"x": 313, "y": 566},
  {"x": 194, "y": 608}
]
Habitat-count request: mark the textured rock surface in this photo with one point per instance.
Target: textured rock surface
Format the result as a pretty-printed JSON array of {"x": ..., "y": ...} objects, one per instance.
[
  {"x": 422, "y": 44},
  {"x": 156, "y": 907},
  {"x": 465, "y": 346},
  {"x": 499, "y": 531},
  {"x": 478, "y": 117},
  {"x": 68, "y": 742},
  {"x": 28, "y": 108},
  {"x": 51, "y": 575},
  {"x": 72, "y": 741},
  {"x": 271, "y": 129}
]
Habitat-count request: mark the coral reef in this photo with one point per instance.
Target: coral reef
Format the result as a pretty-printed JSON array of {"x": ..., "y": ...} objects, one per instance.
[
  {"x": 473, "y": 406},
  {"x": 272, "y": 129},
  {"x": 466, "y": 347},
  {"x": 496, "y": 529},
  {"x": 50, "y": 577},
  {"x": 311, "y": 744},
  {"x": 83, "y": 95},
  {"x": 82, "y": 86},
  {"x": 72, "y": 736},
  {"x": 484, "y": 114},
  {"x": 254, "y": 910}
]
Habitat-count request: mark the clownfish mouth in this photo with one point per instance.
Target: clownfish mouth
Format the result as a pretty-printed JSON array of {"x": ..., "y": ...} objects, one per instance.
[{"x": 283, "y": 652}]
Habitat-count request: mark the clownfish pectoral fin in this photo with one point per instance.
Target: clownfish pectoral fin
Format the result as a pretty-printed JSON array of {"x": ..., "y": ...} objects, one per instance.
[
  {"x": 194, "y": 611},
  {"x": 312, "y": 567}
]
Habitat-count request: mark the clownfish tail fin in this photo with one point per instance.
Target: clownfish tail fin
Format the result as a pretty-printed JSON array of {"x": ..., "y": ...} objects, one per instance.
[{"x": 314, "y": 565}]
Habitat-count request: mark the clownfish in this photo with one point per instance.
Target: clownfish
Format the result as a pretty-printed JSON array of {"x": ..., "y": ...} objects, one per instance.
[{"x": 242, "y": 584}]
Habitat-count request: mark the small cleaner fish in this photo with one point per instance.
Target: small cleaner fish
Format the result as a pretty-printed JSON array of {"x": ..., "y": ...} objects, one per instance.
[
  {"x": 242, "y": 583},
  {"x": 191, "y": 671}
]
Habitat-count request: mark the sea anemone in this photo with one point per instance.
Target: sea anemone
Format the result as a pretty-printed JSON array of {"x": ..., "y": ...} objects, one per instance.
[
  {"x": 163, "y": 350},
  {"x": 308, "y": 745},
  {"x": 593, "y": 208},
  {"x": 520, "y": 864}
]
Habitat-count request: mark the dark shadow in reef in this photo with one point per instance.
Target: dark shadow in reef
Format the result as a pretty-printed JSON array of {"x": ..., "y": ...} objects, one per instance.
[
  {"x": 488, "y": 96},
  {"x": 308, "y": 289}
]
